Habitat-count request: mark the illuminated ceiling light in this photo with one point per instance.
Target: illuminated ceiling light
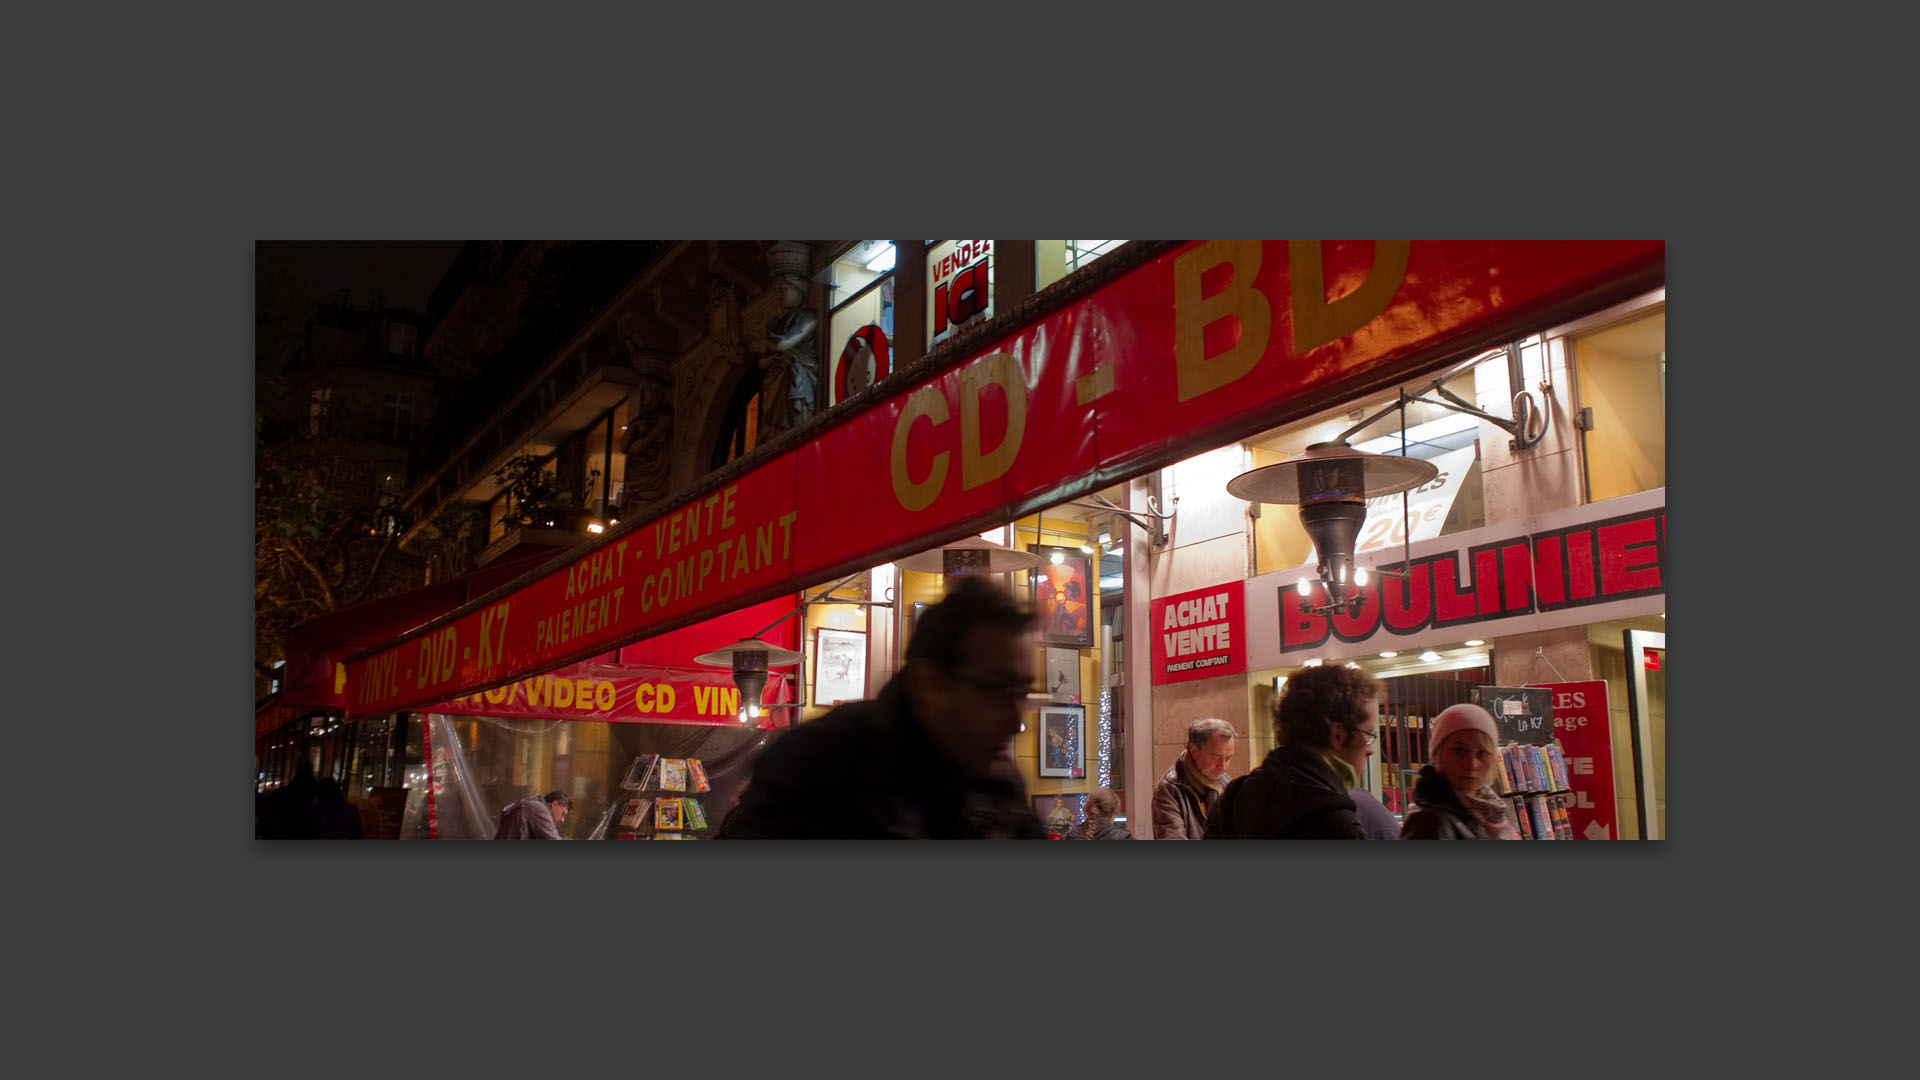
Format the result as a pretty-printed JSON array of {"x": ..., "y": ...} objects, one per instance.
[
  {"x": 1057, "y": 557},
  {"x": 1352, "y": 664},
  {"x": 1315, "y": 662},
  {"x": 595, "y": 527},
  {"x": 1429, "y": 656},
  {"x": 1389, "y": 654},
  {"x": 1475, "y": 641},
  {"x": 882, "y": 262},
  {"x": 1086, "y": 548}
]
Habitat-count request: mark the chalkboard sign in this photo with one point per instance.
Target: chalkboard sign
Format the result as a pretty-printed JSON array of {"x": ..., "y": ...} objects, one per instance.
[{"x": 1523, "y": 714}]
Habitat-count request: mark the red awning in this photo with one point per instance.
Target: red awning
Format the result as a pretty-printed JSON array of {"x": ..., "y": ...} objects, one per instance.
[{"x": 316, "y": 646}]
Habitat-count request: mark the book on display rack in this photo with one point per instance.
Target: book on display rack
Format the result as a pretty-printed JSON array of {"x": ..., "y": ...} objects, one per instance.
[
  {"x": 1534, "y": 780},
  {"x": 662, "y": 802}
]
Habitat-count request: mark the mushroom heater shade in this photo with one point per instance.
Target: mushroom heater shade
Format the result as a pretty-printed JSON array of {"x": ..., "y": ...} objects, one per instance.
[
  {"x": 749, "y": 658},
  {"x": 970, "y": 555},
  {"x": 1332, "y": 482}
]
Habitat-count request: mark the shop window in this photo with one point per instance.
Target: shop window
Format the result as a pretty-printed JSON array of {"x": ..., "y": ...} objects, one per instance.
[
  {"x": 1055, "y": 259},
  {"x": 1622, "y": 379},
  {"x": 959, "y": 286},
  {"x": 491, "y": 762},
  {"x": 860, "y": 327}
]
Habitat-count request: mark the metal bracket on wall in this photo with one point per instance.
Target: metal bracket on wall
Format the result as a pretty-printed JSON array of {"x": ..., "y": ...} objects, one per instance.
[{"x": 1156, "y": 534}]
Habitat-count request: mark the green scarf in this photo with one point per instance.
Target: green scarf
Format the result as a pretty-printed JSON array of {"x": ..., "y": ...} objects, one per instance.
[
  {"x": 1342, "y": 770},
  {"x": 1194, "y": 780}
]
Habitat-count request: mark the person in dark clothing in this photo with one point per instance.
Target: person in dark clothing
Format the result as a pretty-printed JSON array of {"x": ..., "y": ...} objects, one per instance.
[
  {"x": 1453, "y": 796},
  {"x": 1186, "y": 794},
  {"x": 1101, "y": 806},
  {"x": 1301, "y": 790},
  {"x": 293, "y": 805},
  {"x": 534, "y": 818},
  {"x": 930, "y": 757},
  {"x": 1378, "y": 821},
  {"x": 334, "y": 818}
]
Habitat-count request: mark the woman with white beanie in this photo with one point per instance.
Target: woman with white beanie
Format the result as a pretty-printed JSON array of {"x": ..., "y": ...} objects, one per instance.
[{"x": 1453, "y": 796}]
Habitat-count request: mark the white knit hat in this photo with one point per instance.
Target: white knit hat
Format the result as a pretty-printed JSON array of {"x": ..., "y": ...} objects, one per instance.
[{"x": 1462, "y": 717}]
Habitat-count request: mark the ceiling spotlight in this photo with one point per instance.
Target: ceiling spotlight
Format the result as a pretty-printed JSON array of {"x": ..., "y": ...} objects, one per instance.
[
  {"x": 1389, "y": 654},
  {"x": 1086, "y": 548},
  {"x": 1475, "y": 641},
  {"x": 1315, "y": 662},
  {"x": 1429, "y": 656}
]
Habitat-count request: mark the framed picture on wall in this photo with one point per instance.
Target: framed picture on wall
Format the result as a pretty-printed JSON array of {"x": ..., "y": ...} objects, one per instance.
[
  {"x": 1063, "y": 744},
  {"x": 1060, "y": 812},
  {"x": 1063, "y": 596},
  {"x": 1063, "y": 674},
  {"x": 839, "y": 665}
]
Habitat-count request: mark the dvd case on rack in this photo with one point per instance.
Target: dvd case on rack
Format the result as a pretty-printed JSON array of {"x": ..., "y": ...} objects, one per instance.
[
  {"x": 673, "y": 774},
  {"x": 640, "y": 773}
]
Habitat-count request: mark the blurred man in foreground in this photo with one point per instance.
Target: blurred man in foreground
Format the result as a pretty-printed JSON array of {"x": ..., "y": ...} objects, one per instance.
[{"x": 931, "y": 757}]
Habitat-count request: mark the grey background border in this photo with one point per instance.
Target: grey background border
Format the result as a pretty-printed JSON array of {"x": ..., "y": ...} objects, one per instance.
[{"x": 153, "y": 167}]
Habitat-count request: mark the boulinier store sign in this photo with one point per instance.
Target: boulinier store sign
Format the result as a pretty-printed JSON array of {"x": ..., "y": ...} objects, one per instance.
[{"x": 1198, "y": 345}]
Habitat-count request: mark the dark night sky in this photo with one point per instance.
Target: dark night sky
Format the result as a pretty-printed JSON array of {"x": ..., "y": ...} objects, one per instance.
[
  {"x": 290, "y": 277},
  {"x": 405, "y": 271}
]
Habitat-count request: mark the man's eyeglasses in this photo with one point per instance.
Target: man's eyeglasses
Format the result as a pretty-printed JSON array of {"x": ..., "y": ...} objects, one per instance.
[
  {"x": 1372, "y": 736},
  {"x": 996, "y": 688}
]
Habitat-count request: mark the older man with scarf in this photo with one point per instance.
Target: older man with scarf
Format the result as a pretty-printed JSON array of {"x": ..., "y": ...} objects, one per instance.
[{"x": 1186, "y": 794}]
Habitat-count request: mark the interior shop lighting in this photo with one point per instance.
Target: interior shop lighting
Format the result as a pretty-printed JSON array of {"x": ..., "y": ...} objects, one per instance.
[
  {"x": 1315, "y": 662},
  {"x": 882, "y": 262},
  {"x": 1389, "y": 654},
  {"x": 1332, "y": 481},
  {"x": 1475, "y": 641},
  {"x": 1430, "y": 656}
]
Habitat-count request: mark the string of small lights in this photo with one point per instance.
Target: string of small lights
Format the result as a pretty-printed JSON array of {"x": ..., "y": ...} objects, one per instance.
[{"x": 1106, "y": 737}]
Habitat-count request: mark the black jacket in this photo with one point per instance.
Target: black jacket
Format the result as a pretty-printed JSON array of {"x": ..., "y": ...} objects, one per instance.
[
  {"x": 1293, "y": 795},
  {"x": 1438, "y": 813},
  {"x": 1104, "y": 830},
  {"x": 867, "y": 771}
]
